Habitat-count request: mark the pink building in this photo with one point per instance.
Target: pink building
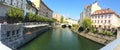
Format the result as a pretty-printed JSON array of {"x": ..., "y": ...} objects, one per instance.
[{"x": 105, "y": 18}]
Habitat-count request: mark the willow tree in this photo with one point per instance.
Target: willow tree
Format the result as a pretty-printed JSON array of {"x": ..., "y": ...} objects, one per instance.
[{"x": 86, "y": 23}]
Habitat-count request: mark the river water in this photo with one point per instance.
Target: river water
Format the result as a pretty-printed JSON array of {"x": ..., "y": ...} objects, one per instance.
[{"x": 61, "y": 39}]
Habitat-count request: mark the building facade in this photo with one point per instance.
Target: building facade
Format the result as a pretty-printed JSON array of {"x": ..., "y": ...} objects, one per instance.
[
  {"x": 37, "y": 3},
  {"x": 11, "y": 35},
  {"x": 30, "y": 8},
  {"x": 44, "y": 10},
  {"x": 105, "y": 18},
  {"x": 5, "y": 4},
  {"x": 88, "y": 10},
  {"x": 57, "y": 17}
]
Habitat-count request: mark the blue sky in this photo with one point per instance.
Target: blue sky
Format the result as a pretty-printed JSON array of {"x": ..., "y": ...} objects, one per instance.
[{"x": 72, "y": 8}]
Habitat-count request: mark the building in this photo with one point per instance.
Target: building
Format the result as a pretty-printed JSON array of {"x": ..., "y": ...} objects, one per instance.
[
  {"x": 105, "y": 18},
  {"x": 11, "y": 35},
  {"x": 57, "y": 17},
  {"x": 88, "y": 10},
  {"x": 45, "y": 11},
  {"x": 37, "y": 3},
  {"x": 30, "y": 8},
  {"x": 5, "y": 4}
]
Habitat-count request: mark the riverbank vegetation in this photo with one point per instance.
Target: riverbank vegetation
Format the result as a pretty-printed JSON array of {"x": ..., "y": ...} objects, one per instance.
[
  {"x": 86, "y": 26},
  {"x": 37, "y": 18},
  {"x": 15, "y": 15}
]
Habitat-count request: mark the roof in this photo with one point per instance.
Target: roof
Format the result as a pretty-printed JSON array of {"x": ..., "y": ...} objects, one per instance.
[
  {"x": 104, "y": 11},
  {"x": 4, "y": 47},
  {"x": 86, "y": 7}
]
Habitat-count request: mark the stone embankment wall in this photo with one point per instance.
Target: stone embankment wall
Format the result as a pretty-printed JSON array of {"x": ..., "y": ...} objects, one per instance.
[
  {"x": 96, "y": 37},
  {"x": 31, "y": 34}
]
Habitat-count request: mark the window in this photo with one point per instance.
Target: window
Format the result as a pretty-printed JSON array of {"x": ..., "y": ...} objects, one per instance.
[
  {"x": 105, "y": 21},
  {"x": 95, "y": 21},
  {"x": 109, "y": 21},
  {"x": 101, "y": 21},
  {"x": 11, "y": 2},
  {"x": 13, "y": 33},
  {"x": 98, "y": 17},
  {"x": 102, "y": 16},
  {"x": 98, "y": 21},
  {"x": 18, "y": 33},
  {"x": 95, "y": 16},
  {"x": 8, "y": 33}
]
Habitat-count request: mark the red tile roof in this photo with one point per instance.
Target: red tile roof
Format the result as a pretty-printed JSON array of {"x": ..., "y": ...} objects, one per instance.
[
  {"x": 104, "y": 11},
  {"x": 86, "y": 7}
]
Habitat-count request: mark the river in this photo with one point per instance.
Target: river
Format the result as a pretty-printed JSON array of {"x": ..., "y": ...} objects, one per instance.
[{"x": 61, "y": 39}]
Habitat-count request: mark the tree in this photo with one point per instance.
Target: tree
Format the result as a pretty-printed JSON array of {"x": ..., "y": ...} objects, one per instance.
[
  {"x": 62, "y": 19},
  {"x": 86, "y": 23},
  {"x": 30, "y": 17},
  {"x": 15, "y": 14}
]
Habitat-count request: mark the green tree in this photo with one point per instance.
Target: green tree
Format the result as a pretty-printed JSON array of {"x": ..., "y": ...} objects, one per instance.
[
  {"x": 62, "y": 19},
  {"x": 15, "y": 14},
  {"x": 86, "y": 23},
  {"x": 30, "y": 17}
]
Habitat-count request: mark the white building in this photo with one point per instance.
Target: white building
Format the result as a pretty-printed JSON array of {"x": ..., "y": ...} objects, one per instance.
[
  {"x": 5, "y": 4},
  {"x": 88, "y": 10},
  {"x": 105, "y": 19}
]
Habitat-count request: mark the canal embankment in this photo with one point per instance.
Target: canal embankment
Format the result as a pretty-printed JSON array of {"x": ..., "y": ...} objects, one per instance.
[
  {"x": 30, "y": 34},
  {"x": 96, "y": 37},
  {"x": 61, "y": 39}
]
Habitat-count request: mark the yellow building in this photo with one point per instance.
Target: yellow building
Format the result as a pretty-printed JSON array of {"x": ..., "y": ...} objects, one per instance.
[
  {"x": 37, "y": 3},
  {"x": 57, "y": 17}
]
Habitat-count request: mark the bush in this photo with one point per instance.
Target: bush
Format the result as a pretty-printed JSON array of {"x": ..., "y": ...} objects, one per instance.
[
  {"x": 106, "y": 33},
  {"x": 80, "y": 29},
  {"x": 93, "y": 30},
  {"x": 109, "y": 33},
  {"x": 102, "y": 32}
]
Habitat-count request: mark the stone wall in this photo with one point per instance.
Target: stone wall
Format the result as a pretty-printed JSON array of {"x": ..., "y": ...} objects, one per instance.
[
  {"x": 29, "y": 35},
  {"x": 11, "y": 35}
]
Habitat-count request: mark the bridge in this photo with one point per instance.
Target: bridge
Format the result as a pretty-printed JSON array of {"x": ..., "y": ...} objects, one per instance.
[{"x": 66, "y": 25}]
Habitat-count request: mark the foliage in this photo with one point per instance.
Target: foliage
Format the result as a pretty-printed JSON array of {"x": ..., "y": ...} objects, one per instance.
[
  {"x": 74, "y": 26},
  {"x": 92, "y": 29},
  {"x": 62, "y": 19},
  {"x": 106, "y": 33},
  {"x": 14, "y": 13},
  {"x": 30, "y": 16},
  {"x": 80, "y": 29},
  {"x": 86, "y": 23}
]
